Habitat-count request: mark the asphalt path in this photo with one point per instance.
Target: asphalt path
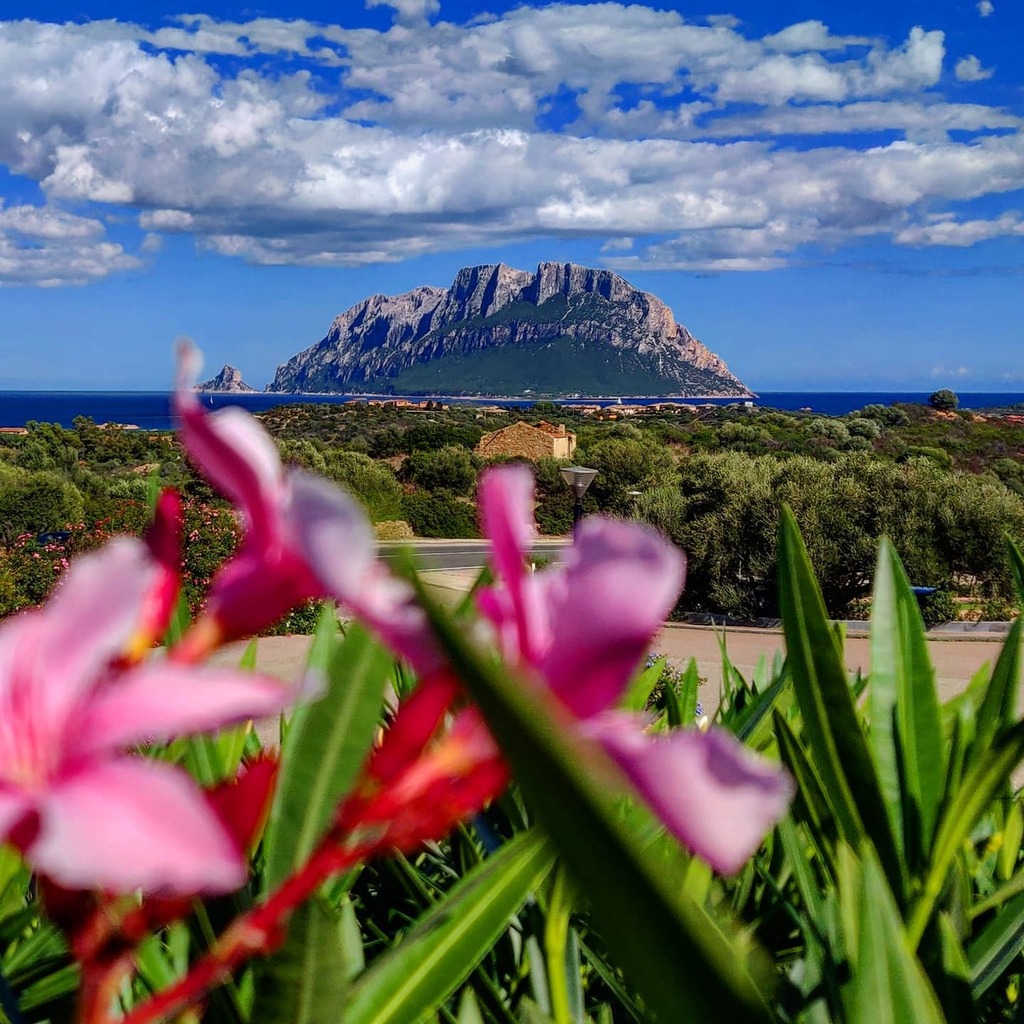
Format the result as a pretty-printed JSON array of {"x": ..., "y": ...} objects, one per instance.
[
  {"x": 955, "y": 659},
  {"x": 454, "y": 555}
]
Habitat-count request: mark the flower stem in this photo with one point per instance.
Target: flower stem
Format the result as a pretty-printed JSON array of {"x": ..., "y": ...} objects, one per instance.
[{"x": 254, "y": 933}]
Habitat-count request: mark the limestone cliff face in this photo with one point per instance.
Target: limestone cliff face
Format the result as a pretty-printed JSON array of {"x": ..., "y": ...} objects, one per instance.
[
  {"x": 533, "y": 316},
  {"x": 229, "y": 379}
]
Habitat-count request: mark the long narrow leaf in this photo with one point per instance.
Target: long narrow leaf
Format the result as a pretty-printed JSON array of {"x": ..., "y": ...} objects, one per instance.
[
  {"x": 997, "y": 946},
  {"x": 831, "y": 723},
  {"x": 911, "y": 760},
  {"x": 324, "y": 748},
  {"x": 450, "y": 939},
  {"x": 999, "y": 705},
  {"x": 305, "y": 981},
  {"x": 1017, "y": 565},
  {"x": 989, "y": 774},
  {"x": 670, "y": 949},
  {"x": 888, "y": 985}
]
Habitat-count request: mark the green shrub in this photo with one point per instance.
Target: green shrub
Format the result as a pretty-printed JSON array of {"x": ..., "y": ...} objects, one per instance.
[
  {"x": 211, "y": 535},
  {"x": 373, "y": 483},
  {"x": 37, "y": 502},
  {"x": 925, "y": 452},
  {"x": 626, "y": 464},
  {"x": 939, "y": 607},
  {"x": 440, "y": 515},
  {"x": 300, "y": 621},
  {"x": 9, "y": 595},
  {"x": 554, "y": 515},
  {"x": 303, "y": 452},
  {"x": 944, "y": 400},
  {"x": 444, "y": 469},
  {"x": 998, "y": 609}
]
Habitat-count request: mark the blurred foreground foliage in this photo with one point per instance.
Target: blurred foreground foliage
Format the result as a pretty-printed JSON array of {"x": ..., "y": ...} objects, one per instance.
[{"x": 892, "y": 891}]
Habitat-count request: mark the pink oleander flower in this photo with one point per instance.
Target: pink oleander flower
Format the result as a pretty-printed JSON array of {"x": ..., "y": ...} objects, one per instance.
[
  {"x": 85, "y": 813},
  {"x": 303, "y": 537},
  {"x": 582, "y": 629}
]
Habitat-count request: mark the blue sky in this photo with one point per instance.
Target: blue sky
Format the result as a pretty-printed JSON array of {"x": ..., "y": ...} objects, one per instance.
[{"x": 828, "y": 195}]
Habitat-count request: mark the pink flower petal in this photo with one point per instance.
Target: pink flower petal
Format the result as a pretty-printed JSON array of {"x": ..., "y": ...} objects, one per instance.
[
  {"x": 387, "y": 605},
  {"x": 230, "y": 447},
  {"x": 339, "y": 545},
  {"x": 505, "y": 497},
  {"x": 134, "y": 824},
  {"x": 12, "y": 809},
  {"x": 715, "y": 795},
  {"x": 163, "y": 541},
  {"x": 162, "y": 700},
  {"x": 332, "y": 531},
  {"x": 256, "y": 586},
  {"x": 621, "y": 582},
  {"x": 239, "y": 458},
  {"x": 93, "y": 615}
]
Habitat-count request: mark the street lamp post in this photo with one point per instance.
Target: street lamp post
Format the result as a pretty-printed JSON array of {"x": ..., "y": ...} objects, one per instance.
[{"x": 579, "y": 479}]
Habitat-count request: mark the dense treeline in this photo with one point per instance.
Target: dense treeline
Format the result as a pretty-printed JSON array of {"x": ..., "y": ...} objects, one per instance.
[
  {"x": 945, "y": 485},
  {"x": 949, "y": 527}
]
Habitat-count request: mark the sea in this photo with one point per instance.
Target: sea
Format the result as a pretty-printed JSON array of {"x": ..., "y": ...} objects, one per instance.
[{"x": 150, "y": 410}]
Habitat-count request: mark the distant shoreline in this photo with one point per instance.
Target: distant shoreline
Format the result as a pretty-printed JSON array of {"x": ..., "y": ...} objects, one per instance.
[
  {"x": 493, "y": 398},
  {"x": 151, "y": 410}
]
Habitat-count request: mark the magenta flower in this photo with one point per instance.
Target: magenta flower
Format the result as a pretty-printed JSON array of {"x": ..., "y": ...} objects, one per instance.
[
  {"x": 583, "y": 629},
  {"x": 83, "y": 812},
  {"x": 303, "y": 537}
]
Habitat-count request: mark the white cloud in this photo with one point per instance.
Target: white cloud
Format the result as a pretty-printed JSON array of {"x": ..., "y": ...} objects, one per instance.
[
  {"x": 917, "y": 64},
  {"x": 409, "y": 11},
  {"x": 985, "y": 7},
  {"x": 380, "y": 145},
  {"x": 946, "y": 230},
  {"x": 811, "y": 35},
  {"x": 919, "y": 119},
  {"x": 47, "y": 247},
  {"x": 969, "y": 69}
]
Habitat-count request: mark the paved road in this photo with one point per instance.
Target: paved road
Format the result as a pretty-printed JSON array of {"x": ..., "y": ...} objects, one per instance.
[
  {"x": 955, "y": 660},
  {"x": 461, "y": 554}
]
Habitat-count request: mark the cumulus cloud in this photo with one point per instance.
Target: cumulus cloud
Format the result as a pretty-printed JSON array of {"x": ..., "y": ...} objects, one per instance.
[
  {"x": 969, "y": 69},
  {"x": 918, "y": 119},
  {"x": 47, "y": 247},
  {"x": 409, "y": 11},
  {"x": 369, "y": 146},
  {"x": 945, "y": 229},
  {"x": 811, "y": 35},
  {"x": 985, "y": 8}
]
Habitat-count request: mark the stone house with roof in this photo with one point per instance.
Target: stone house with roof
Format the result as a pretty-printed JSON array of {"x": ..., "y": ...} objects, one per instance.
[{"x": 526, "y": 441}]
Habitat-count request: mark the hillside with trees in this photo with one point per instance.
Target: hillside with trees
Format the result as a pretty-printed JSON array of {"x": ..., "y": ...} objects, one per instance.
[{"x": 945, "y": 485}]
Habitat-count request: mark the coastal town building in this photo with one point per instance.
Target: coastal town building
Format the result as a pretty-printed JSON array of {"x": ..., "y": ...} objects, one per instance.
[{"x": 525, "y": 441}]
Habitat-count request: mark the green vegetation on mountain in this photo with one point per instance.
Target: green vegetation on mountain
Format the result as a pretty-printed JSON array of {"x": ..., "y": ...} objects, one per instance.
[{"x": 555, "y": 368}]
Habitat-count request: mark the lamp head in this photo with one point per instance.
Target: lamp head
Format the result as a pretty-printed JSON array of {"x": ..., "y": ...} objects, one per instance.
[{"x": 578, "y": 478}]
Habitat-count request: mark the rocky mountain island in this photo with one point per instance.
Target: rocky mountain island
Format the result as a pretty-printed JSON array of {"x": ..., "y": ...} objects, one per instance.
[
  {"x": 565, "y": 330},
  {"x": 229, "y": 379}
]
